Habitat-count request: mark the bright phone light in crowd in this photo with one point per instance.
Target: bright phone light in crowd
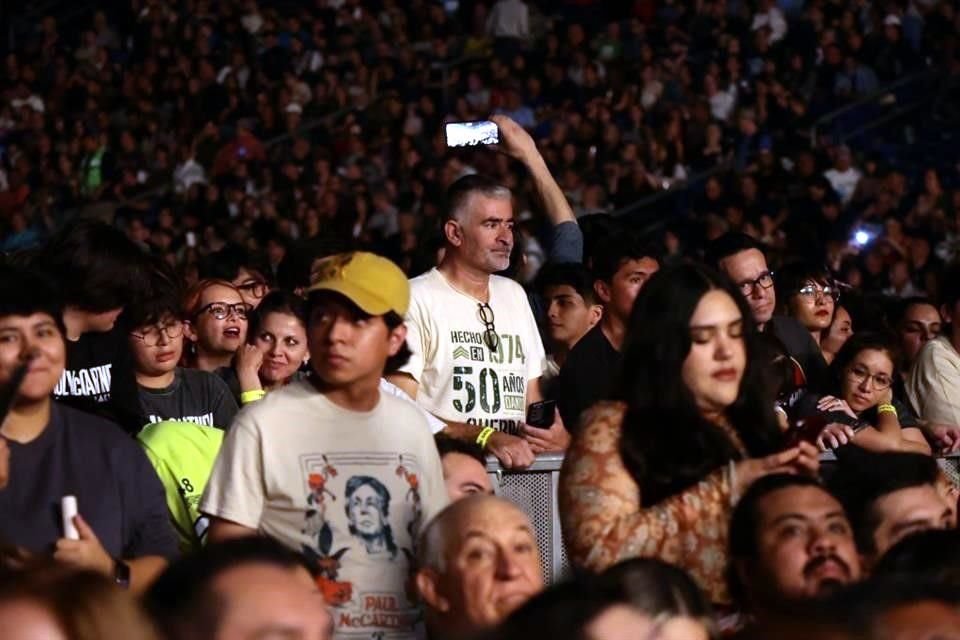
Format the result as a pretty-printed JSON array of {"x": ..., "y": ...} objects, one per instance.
[
  {"x": 468, "y": 134},
  {"x": 864, "y": 235}
]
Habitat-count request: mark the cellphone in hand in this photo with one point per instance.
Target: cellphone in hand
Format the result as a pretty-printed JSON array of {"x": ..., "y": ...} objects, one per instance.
[
  {"x": 542, "y": 414},
  {"x": 806, "y": 430},
  {"x": 469, "y": 134}
]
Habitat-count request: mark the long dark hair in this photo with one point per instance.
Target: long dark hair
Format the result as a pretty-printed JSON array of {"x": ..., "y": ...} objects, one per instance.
[{"x": 666, "y": 443}]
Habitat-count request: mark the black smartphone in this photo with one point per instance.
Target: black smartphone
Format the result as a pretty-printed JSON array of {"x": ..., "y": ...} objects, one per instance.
[
  {"x": 805, "y": 430},
  {"x": 542, "y": 414}
]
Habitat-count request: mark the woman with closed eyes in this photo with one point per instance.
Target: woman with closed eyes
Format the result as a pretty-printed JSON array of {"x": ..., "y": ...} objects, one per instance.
[{"x": 656, "y": 473}]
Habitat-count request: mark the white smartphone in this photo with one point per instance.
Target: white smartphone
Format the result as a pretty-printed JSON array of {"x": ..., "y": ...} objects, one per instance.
[{"x": 468, "y": 134}]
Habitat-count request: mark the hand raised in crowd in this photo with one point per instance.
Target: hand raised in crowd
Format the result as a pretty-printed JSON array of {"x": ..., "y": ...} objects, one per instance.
[
  {"x": 554, "y": 439},
  {"x": 248, "y": 362},
  {"x": 834, "y": 436},
  {"x": 4, "y": 463},
  {"x": 514, "y": 139},
  {"x": 512, "y": 452},
  {"x": 802, "y": 459},
  {"x": 832, "y": 403},
  {"x": 85, "y": 553}
]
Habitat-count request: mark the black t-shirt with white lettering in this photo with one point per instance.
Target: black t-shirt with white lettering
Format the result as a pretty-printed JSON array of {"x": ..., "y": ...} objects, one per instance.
[
  {"x": 195, "y": 396},
  {"x": 118, "y": 492},
  {"x": 98, "y": 378}
]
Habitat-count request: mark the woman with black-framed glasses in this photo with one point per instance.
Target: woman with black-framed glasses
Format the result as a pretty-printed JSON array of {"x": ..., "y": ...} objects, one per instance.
[
  {"x": 807, "y": 293},
  {"x": 862, "y": 407},
  {"x": 216, "y": 324}
]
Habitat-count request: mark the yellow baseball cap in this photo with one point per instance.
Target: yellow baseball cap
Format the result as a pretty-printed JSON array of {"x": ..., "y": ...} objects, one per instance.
[{"x": 372, "y": 282}]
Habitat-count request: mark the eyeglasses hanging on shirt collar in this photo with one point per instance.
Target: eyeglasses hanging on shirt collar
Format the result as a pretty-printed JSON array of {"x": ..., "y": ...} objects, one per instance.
[{"x": 490, "y": 337}]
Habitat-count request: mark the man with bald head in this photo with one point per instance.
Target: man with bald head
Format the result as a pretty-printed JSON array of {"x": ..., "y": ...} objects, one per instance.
[{"x": 478, "y": 562}]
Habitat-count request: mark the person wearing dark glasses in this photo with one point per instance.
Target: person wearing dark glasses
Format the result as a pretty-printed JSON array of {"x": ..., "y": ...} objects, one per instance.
[{"x": 216, "y": 324}]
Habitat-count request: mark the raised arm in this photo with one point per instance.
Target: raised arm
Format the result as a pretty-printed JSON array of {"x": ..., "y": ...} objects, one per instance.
[{"x": 518, "y": 144}]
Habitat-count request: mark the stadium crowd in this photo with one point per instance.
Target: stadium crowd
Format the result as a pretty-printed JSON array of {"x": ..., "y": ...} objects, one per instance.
[{"x": 262, "y": 327}]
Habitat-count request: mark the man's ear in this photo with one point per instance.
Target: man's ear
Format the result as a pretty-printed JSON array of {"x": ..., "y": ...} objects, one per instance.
[
  {"x": 946, "y": 314},
  {"x": 398, "y": 335},
  {"x": 453, "y": 232},
  {"x": 594, "y": 314},
  {"x": 427, "y": 583},
  {"x": 602, "y": 289}
]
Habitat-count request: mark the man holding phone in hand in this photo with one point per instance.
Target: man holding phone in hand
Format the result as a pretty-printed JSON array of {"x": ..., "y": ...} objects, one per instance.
[{"x": 477, "y": 353}]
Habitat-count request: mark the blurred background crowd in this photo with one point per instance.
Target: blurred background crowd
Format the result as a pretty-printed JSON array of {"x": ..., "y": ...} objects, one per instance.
[{"x": 824, "y": 128}]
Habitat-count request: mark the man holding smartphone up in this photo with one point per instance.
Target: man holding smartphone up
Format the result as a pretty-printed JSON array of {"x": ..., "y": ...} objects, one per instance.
[{"x": 477, "y": 354}]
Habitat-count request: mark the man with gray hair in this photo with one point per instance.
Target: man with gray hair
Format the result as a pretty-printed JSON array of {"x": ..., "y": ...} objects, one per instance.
[
  {"x": 478, "y": 562},
  {"x": 477, "y": 353}
]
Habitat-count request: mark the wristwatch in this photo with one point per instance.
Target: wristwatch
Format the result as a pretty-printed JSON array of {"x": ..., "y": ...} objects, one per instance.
[{"x": 121, "y": 573}]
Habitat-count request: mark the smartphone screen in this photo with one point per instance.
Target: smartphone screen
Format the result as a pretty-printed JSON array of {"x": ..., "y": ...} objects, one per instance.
[{"x": 468, "y": 134}]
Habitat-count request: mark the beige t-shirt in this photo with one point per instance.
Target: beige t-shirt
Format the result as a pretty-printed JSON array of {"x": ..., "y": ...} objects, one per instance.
[
  {"x": 933, "y": 384},
  {"x": 460, "y": 378},
  {"x": 350, "y": 490}
]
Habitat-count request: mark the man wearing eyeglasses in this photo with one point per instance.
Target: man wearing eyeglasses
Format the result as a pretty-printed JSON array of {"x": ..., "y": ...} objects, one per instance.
[
  {"x": 477, "y": 353},
  {"x": 741, "y": 258}
]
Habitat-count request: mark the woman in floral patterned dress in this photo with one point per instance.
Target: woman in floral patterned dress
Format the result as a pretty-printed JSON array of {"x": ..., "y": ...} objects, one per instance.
[{"x": 656, "y": 473}]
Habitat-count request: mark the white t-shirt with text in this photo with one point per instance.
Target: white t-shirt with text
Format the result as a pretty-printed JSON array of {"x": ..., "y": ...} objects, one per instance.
[{"x": 460, "y": 378}]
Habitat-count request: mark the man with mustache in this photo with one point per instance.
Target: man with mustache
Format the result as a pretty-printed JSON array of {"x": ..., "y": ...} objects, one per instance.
[{"x": 790, "y": 542}]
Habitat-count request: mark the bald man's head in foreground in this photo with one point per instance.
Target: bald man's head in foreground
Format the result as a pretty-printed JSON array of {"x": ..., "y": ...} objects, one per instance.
[{"x": 478, "y": 562}]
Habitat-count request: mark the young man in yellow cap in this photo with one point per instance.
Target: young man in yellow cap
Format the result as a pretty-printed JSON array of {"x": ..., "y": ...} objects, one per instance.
[{"x": 332, "y": 467}]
